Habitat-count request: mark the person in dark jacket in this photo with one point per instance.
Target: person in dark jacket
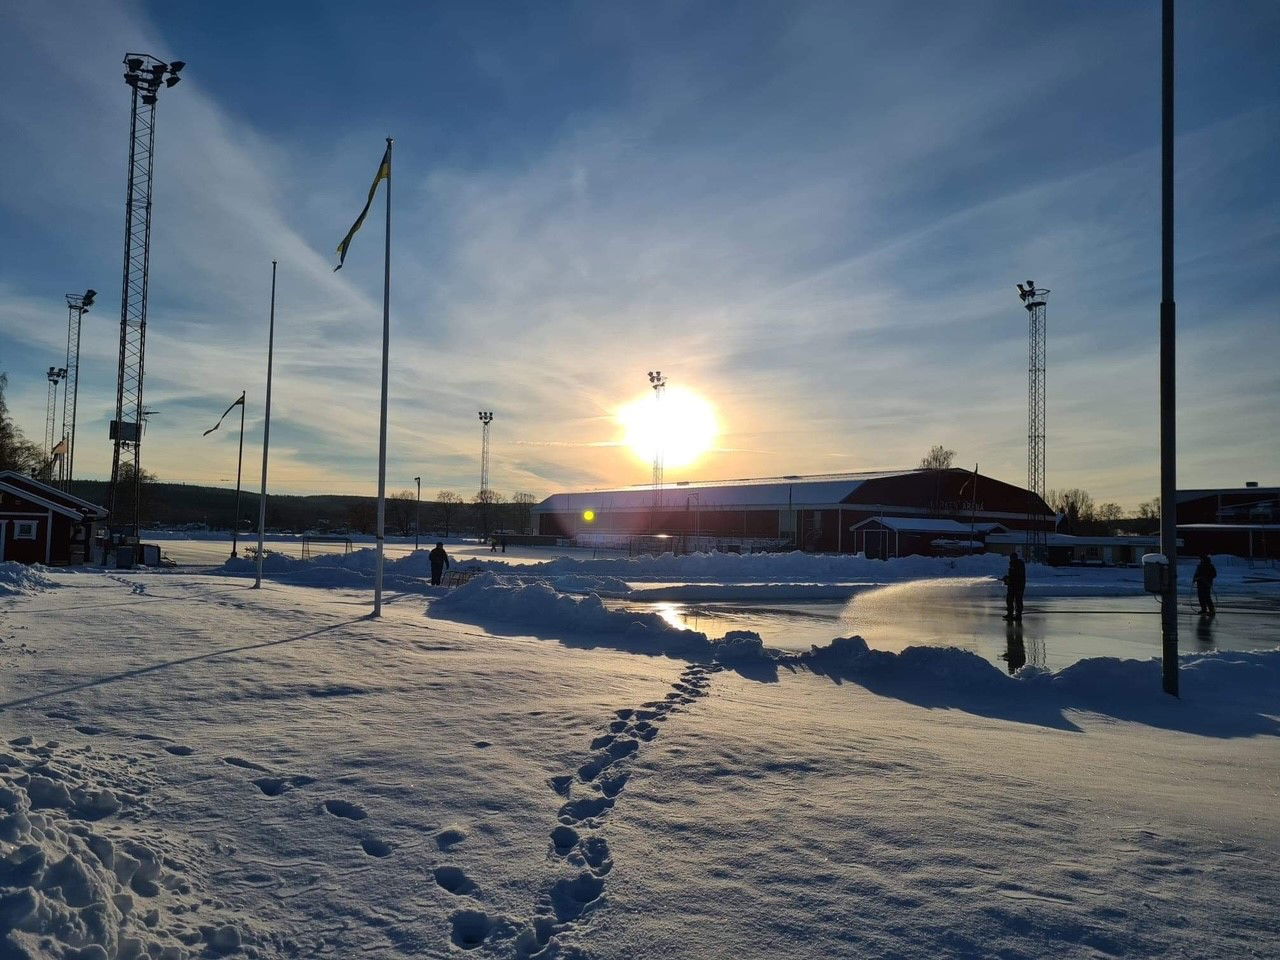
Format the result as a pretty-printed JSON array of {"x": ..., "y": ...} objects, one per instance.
[
  {"x": 1015, "y": 582},
  {"x": 439, "y": 563},
  {"x": 1203, "y": 578}
]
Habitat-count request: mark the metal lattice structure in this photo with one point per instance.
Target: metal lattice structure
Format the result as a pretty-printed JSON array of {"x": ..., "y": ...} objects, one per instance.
[
  {"x": 1033, "y": 299},
  {"x": 486, "y": 418},
  {"x": 77, "y": 304},
  {"x": 144, "y": 75},
  {"x": 56, "y": 375},
  {"x": 659, "y": 384}
]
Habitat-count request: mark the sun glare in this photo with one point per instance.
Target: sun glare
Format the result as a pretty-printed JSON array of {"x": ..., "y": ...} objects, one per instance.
[{"x": 681, "y": 424}]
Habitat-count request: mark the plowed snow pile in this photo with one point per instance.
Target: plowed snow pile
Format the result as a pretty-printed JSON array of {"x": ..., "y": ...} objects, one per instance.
[{"x": 17, "y": 579}]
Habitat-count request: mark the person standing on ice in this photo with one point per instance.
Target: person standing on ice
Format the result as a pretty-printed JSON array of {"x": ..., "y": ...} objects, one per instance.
[
  {"x": 1203, "y": 578},
  {"x": 439, "y": 563},
  {"x": 1015, "y": 582}
]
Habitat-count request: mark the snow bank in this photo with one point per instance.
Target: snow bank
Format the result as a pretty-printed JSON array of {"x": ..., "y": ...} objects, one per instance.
[
  {"x": 352, "y": 571},
  {"x": 75, "y": 884},
  {"x": 19, "y": 579},
  {"x": 537, "y": 608}
]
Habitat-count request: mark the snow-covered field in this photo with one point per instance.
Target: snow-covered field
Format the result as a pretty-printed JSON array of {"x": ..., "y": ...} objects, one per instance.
[{"x": 194, "y": 768}]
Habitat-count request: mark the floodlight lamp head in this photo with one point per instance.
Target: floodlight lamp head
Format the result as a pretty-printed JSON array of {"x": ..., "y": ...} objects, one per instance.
[
  {"x": 176, "y": 66},
  {"x": 89, "y": 296},
  {"x": 171, "y": 81},
  {"x": 133, "y": 63}
]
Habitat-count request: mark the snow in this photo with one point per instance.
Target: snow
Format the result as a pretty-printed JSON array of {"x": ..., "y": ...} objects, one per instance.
[
  {"x": 194, "y": 768},
  {"x": 17, "y": 579}
]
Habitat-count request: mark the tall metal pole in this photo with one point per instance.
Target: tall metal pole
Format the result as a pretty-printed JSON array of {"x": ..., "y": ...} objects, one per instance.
[
  {"x": 266, "y": 430},
  {"x": 1168, "y": 395},
  {"x": 417, "y": 514},
  {"x": 382, "y": 424},
  {"x": 659, "y": 384},
  {"x": 1033, "y": 299},
  {"x": 145, "y": 75},
  {"x": 55, "y": 375},
  {"x": 77, "y": 304},
  {"x": 235, "y": 529},
  {"x": 486, "y": 418}
]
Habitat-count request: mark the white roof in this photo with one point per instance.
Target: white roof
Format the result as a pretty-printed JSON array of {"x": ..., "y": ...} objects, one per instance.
[
  {"x": 765, "y": 491},
  {"x": 918, "y": 525}
]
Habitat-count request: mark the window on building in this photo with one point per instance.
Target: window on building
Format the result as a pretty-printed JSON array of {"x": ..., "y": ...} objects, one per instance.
[{"x": 24, "y": 530}]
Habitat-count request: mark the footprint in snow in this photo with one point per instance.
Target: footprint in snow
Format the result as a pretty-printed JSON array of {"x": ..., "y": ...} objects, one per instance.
[
  {"x": 453, "y": 879},
  {"x": 180, "y": 750},
  {"x": 245, "y": 764},
  {"x": 375, "y": 847},
  {"x": 274, "y": 786},
  {"x": 470, "y": 928},
  {"x": 345, "y": 809},
  {"x": 89, "y": 730},
  {"x": 449, "y": 838}
]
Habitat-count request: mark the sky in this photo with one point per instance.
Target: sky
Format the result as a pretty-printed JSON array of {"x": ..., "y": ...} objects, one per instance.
[{"x": 812, "y": 215}]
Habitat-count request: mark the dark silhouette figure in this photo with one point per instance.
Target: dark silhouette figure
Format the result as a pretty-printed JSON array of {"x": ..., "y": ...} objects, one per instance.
[
  {"x": 1015, "y": 653},
  {"x": 504, "y": 544},
  {"x": 1015, "y": 582},
  {"x": 439, "y": 563},
  {"x": 1203, "y": 578}
]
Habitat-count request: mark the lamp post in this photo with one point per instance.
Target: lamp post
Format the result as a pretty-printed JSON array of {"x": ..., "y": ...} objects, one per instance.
[
  {"x": 56, "y": 376},
  {"x": 659, "y": 383},
  {"x": 417, "y": 514},
  {"x": 77, "y": 304},
  {"x": 1168, "y": 327},
  {"x": 486, "y": 418}
]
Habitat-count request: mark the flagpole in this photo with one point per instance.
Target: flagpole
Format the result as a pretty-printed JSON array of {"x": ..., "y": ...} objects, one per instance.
[
  {"x": 235, "y": 529},
  {"x": 382, "y": 427},
  {"x": 266, "y": 429}
]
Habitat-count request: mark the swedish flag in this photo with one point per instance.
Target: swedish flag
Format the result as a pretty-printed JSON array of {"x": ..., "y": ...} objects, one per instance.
[{"x": 384, "y": 173}]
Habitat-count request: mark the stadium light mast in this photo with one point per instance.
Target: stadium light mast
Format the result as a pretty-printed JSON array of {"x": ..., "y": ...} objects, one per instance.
[
  {"x": 659, "y": 384},
  {"x": 144, "y": 75},
  {"x": 56, "y": 375},
  {"x": 77, "y": 304},
  {"x": 1033, "y": 299},
  {"x": 486, "y": 418}
]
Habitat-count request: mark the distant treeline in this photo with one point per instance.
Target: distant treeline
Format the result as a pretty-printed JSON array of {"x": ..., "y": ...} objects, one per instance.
[{"x": 177, "y": 504}]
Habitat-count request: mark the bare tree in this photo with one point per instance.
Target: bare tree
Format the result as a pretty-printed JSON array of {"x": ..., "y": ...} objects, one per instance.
[
  {"x": 1075, "y": 505},
  {"x": 523, "y": 506},
  {"x": 400, "y": 510},
  {"x": 938, "y": 458},
  {"x": 16, "y": 451},
  {"x": 446, "y": 506},
  {"x": 1149, "y": 510},
  {"x": 1110, "y": 513}
]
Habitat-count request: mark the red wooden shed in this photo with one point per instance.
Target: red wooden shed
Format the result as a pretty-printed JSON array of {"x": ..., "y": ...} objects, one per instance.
[{"x": 41, "y": 524}]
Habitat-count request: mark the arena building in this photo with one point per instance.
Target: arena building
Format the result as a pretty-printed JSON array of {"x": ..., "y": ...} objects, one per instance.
[{"x": 884, "y": 514}]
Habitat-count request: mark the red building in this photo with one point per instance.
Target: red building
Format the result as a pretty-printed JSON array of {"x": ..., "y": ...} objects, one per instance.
[
  {"x": 41, "y": 524},
  {"x": 816, "y": 513},
  {"x": 1244, "y": 521}
]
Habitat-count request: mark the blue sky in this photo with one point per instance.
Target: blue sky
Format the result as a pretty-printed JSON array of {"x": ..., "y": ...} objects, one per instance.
[{"x": 813, "y": 214}]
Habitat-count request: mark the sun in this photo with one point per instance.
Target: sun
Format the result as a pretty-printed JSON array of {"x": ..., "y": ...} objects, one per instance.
[{"x": 681, "y": 424}]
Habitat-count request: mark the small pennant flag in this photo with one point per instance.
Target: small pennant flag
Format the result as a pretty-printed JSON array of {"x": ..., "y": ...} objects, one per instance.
[
  {"x": 238, "y": 403},
  {"x": 384, "y": 173}
]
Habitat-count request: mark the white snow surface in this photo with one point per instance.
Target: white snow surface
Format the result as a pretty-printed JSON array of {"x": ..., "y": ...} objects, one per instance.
[
  {"x": 21, "y": 578},
  {"x": 191, "y": 767}
]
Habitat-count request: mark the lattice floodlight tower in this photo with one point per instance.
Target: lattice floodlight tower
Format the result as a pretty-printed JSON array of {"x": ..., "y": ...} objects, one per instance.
[
  {"x": 145, "y": 75},
  {"x": 1033, "y": 299},
  {"x": 56, "y": 375},
  {"x": 659, "y": 384},
  {"x": 486, "y": 418},
  {"x": 77, "y": 304}
]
